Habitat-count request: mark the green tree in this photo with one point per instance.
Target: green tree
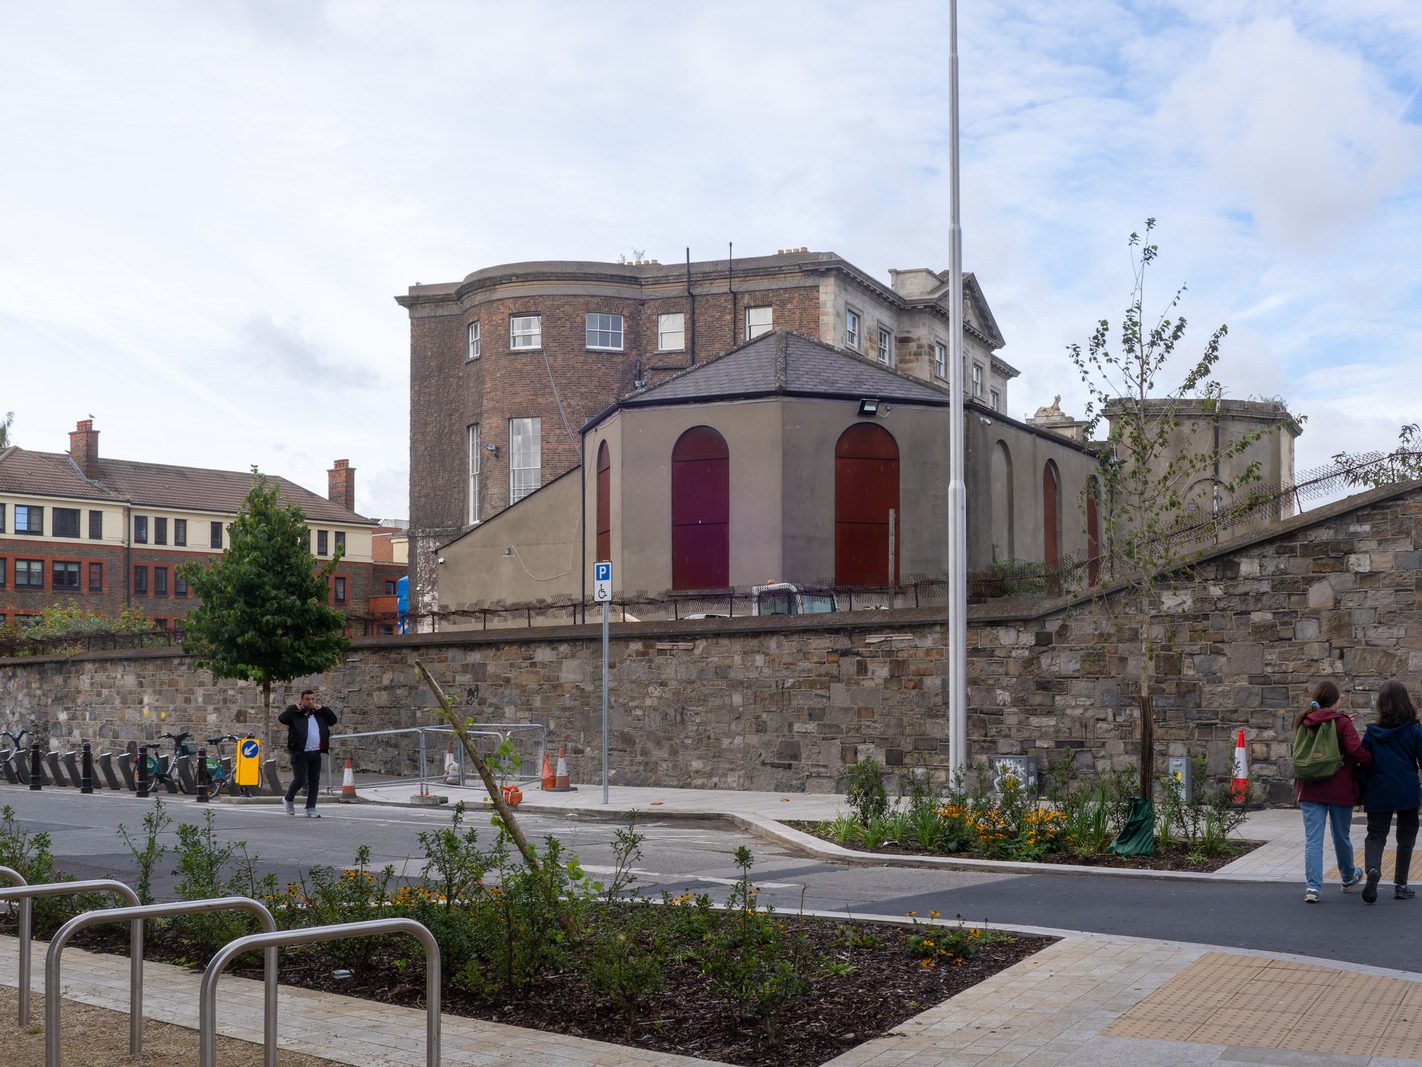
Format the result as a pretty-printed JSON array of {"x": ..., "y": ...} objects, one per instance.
[
  {"x": 262, "y": 614},
  {"x": 1147, "y": 470},
  {"x": 5, "y": 424}
]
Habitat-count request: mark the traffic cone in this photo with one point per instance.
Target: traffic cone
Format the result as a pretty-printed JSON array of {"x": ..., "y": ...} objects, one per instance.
[
  {"x": 1239, "y": 784},
  {"x": 561, "y": 782},
  {"x": 550, "y": 780},
  {"x": 348, "y": 793},
  {"x": 451, "y": 766}
]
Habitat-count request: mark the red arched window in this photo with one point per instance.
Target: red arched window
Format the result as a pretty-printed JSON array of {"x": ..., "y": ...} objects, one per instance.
[
  {"x": 1051, "y": 515},
  {"x": 866, "y": 490},
  {"x": 701, "y": 510},
  {"x": 1093, "y": 533},
  {"x": 604, "y": 503}
]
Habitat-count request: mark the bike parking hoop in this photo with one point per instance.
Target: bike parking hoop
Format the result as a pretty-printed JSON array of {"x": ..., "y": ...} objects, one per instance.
[
  {"x": 25, "y": 894},
  {"x": 135, "y": 917},
  {"x": 207, "y": 995}
]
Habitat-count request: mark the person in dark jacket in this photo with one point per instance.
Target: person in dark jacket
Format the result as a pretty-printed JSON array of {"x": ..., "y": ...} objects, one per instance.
[
  {"x": 1331, "y": 800},
  {"x": 1395, "y": 741},
  {"x": 308, "y": 735}
]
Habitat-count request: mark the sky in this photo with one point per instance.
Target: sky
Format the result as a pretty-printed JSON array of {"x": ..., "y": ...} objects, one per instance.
[{"x": 206, "y": 209}]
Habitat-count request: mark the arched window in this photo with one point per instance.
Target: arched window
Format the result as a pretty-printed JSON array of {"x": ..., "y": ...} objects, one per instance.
[
  {"x": 866, "y": 491},
  {"x": 1000, "y": 499},
  {"x": 701, "y": 510},
  {"x": 1093, "y": 531},
  {"x": 1051, "y": 515},
  {"x": 604, "y": 503}
]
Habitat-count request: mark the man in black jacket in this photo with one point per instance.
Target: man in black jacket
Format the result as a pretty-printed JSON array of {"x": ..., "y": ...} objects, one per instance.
[{"x": 308, "y": 735}]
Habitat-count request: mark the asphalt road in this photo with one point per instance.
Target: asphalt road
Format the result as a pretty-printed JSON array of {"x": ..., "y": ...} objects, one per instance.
[{"x": 696, "y": 855}]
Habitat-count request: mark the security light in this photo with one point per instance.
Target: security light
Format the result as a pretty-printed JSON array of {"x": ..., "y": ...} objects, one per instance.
[{"x": 869, "y": 407}]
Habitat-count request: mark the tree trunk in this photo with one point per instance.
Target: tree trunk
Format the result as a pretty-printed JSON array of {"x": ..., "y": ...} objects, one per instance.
[
  {"x": 1147, "y": 744},
  {"x": 496, "y": 795}
]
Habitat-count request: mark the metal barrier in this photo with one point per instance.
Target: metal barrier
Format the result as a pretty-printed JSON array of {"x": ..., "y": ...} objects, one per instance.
[
  {"x": 500, "y": 731},
  {"x": 135, "y": 917},
  {"x": 207, "y": 995},
  {"x": 25, "y": 894}
]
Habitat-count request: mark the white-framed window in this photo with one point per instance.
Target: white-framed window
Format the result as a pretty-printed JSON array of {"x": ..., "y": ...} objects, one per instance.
[
  {"x": 853, "y": 328},
  {"x": 604, "y": 331},
  {"x": 525, "y": 457},
  {"x": 758, "y": 321},
  {"x": 886, "y": 346},
  {"x": 994, "y": 400},
  {"x": 940, "y": 359},
  {"x": 526, "y": 331},
  {"x": 977, "y": 381},
  {"x": 671, "y": 332},
  {"x": 471, "y": 334},
  {"x": 473, "y": 511}
]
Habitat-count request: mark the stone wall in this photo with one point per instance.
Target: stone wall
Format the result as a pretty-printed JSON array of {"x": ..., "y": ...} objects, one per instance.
[{"x": 789, "y": 704}]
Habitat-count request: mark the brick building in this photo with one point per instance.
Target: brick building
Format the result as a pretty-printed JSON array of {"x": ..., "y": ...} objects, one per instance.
[
  {"x": 508, "y": 365},
  {"x": 107, "y": 534}
]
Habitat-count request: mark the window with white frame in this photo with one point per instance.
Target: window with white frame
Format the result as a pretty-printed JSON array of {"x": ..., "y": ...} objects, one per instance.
[
  {"x": 604, "y": 331},
  {"x": 525, "y": 457},
  {"x": 853, "y": 328},
  {"x": 758, "y": 321},
  {"x": 471, "y": 333},
  {"x": 994, "y": 400},
  {"x": 474, "y": 473},
  {"x": 977, "y": 381},
  {"x": 671, "y": 332},
  {"x": 886, "y": 346},
  {"x": 526, "y": 331},
  {"x": 940, "y": 359}
]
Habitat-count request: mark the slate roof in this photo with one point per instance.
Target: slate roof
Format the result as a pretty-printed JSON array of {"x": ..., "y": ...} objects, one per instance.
[
  {"x": 154, "y": 485},
  {"x": 786, "y": 363}
]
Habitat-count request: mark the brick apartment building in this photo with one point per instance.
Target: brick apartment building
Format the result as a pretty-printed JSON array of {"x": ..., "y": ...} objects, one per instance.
[
  {"x": 107, "y": 534},
  {"x": 508, "y": 365}
]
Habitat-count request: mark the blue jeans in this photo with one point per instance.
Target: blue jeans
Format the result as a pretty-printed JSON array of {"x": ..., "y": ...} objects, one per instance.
[{"x": 1340, "y": 817}]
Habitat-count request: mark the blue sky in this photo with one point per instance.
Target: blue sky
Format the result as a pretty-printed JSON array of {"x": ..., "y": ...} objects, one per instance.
[{"x": 206, "y": 209}]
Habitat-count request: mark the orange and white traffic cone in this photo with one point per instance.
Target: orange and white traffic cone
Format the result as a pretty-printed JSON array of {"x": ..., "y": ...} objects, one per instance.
[
  {"x": 549, "y": 779},
  {"x": 348, "y": 793},
  {"x": 561, "y": 782},
  {"x": 1239, "y": 783}
]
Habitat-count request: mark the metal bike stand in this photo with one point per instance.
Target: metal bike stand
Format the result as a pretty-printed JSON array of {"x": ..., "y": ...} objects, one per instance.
[
  {"x": 12, "y": 876},
  {"x": 135, "y": 916},
  {"x": 207, "y": 995},
  {"x": 25, "y": 894}
]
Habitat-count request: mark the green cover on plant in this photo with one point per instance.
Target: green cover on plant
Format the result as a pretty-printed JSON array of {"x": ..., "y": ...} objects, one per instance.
[{"x": 1137, "y": 837}]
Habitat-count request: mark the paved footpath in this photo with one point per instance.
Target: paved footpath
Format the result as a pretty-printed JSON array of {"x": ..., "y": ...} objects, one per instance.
[{"x": 1088, "y": 998}]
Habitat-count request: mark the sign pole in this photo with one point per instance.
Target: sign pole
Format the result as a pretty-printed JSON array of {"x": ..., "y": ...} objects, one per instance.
[
  {"x": 605, "y": 611},
  {"x": 602, "y": 592}
]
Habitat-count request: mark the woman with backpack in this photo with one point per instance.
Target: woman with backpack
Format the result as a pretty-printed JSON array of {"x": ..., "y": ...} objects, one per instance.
[
  {"x": 1326, "y": 749},
  {"x": 1395, "y": 742}
]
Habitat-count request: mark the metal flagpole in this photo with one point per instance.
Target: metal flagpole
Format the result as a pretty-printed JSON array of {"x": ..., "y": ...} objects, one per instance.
[{"x": 957, "y": 491}]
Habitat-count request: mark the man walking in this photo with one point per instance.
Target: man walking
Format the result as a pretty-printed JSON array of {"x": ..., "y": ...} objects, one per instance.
[{"x": 308, "y": 735}]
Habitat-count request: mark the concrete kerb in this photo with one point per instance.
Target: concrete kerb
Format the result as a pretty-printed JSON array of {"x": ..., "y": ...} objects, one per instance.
[{"x": 808, "y": 844}]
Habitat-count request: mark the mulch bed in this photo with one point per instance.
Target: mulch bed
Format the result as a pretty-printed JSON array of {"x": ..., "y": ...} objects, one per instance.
[
  {"x": 885, "y": 988},
  {"x": 1177, "y": 858}
]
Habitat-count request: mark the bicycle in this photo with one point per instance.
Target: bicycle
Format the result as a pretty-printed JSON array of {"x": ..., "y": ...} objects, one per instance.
[
  {"x": 16, "y": 754},
  {"x": 219, "y": 771},
  {"x": 170, "y": 777}
]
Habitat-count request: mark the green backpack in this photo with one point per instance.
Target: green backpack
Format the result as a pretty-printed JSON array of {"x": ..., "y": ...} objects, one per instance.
[{"x": 1317, "y": 757}]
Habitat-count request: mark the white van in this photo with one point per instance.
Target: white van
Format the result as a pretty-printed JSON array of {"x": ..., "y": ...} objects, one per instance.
[{"x": 787, "y": 598}]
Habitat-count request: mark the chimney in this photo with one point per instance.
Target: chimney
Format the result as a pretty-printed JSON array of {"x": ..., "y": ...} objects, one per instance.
[
  {"x": 84, "y": 448},
  {"x": 340, "y": 484}
]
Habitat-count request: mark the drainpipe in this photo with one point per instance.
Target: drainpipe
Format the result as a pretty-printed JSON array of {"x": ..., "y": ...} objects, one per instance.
[
  {"x": 692, "y": 298},
  {"x": 128, "y": 555},
  {"x": 583, "y": 527},
  {"x": 730, "y": 286}
]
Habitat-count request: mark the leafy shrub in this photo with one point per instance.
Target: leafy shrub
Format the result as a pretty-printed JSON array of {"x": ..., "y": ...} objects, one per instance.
[{"x": 868, "y": 799}]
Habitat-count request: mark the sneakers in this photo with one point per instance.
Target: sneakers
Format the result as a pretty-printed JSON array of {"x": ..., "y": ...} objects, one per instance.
[
  {"x": 1402, "y": 892},
  {"x": 1370, "y": 891},
  {"x": 1351, "y": 882},
  {"x": 1311, "y": 896},
  {"x": 312, "y": 813},
  {"x": 290, "y": 807}
]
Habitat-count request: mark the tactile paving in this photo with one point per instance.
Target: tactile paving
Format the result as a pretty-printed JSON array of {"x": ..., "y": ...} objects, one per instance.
[
  {"x": 1252, "y": 1001},
  {"x": 1388, "y": 868}
]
